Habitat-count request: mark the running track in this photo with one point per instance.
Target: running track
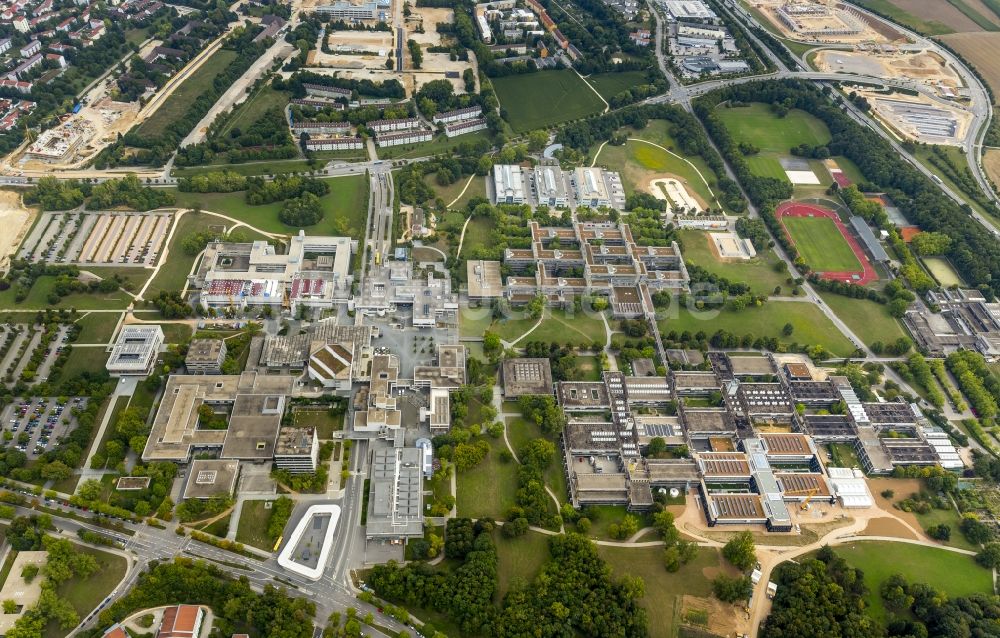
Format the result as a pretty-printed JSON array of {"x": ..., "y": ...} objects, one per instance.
[{"x": 867, "y": 273}]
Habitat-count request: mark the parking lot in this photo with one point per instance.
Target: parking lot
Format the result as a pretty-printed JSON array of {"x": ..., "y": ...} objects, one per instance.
[{"x": 35, "y": 425}]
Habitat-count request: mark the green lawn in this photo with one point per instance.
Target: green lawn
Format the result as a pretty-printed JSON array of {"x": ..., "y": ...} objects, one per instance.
[
  {"x": 438, "y": 145},
  {"x": 478, "y": 234},
  {"x": 954, "y": 574},
  {"x": 760, "y": 272},
  {"x": 843, "y": 455},
  {"x": 663, "y": 589},
  {"x": 869, "y": 320},
  {"x": 451, "y": 192},
  {"x": 950, "y": 518},
  {"x": 174, "y": 270},
  {"x": 639, "y": 162},
  {"x": 87, "y": 594},
  {"x": 562, "y": 326},
  {"x": 942, "y": 270},
  {"x": 133, "y": 276},
  {"x": 489, "y": 488},
  {"x": 589, "y": 369},
  {"x": 758, "y": 125},
  {"x": 97, "y": 327},
  {"x": 37, "y": 298},
  {"x": 255, "y": 107},
  {"x": 766, "y": 165},
  {"x": 177, "y": 104},
  {"x": 603, "y": 516},
  {"x": 519, "y": 559},
  {"x": 611, "y": 84},
  {"x": 519, "y": 432},
  {"x": 540, "y": 100},
  {"x": 254, "y": 520},
  {"x": 325, "y": 423},
  {"x": 820, "y": 244},
  {"x": 345, "y": 207},
  {"x": 810, "y": 325},
  {"x": 473, "y": 322}
]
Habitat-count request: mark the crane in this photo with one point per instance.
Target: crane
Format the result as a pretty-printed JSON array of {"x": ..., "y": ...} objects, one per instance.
[{"x": 809, "y": 493}]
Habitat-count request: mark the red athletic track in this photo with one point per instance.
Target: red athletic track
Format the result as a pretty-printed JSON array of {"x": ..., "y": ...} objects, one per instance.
[
  {"x": 839, "y": 177},
  {"x": 798, "y": 209}
]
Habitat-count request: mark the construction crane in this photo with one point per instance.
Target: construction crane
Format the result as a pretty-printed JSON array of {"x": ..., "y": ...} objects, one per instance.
[{"x": 810, "y": 493}]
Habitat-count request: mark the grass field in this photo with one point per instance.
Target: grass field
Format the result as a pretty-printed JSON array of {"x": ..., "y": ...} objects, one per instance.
[
  {"x": 86, "y": 594},
  {"x": 759, "y": 272},
  {"x": 758, "y": 125},
  {"x": 611, "y": 84},
  {"x": 639, "y": 162},
  {"x": 942, "y": 270},
  {"x": 135, "y": 277},
  {"x": 255, "y": 107},
  {"x": 519, "y": 559},
  {"x": 820, "y": 243},
  {"x": 489, "y": 488},
  {"x": 479, "y": 234},
  {"x": 663, "y": 589},
  {"x": 175, "y": 268},
  {"x": 345, "y": 209},
  {"x": 450, "y": 193},
  {"x": 97, "y": 327},
  {"x": 519, "y": 432},
  {"x": 37, "y": 298},
  {"x": 177, "y": 104},
  {"x": 810, "y": 325},
  {"x": 439, "y": 144},
  {"x": 869, "y": 320},
  {"x": 539, "y": 100},
  {"x": 557, "y": 326},
  {"x": 325, "y": 423},
  {"x": 766, "y": 166},
  {"x": 897, "y": 14},
  {"x": 955, "y": 574},
  {"x": 252, "y": 530}
]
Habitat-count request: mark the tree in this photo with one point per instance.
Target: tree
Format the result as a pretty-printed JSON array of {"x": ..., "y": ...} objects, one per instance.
[
  {"x": 787, "y": 329},
  {"x": 989, "y": 557},
  {"x": 940, "y": 532},
  {"x": 656, "y": 447},
  {"x": 10, "y": 606},
  {"x": 732, "y": 589},
  {"x": 974, "y": 530},
  {"x": 739, "y": 551}
]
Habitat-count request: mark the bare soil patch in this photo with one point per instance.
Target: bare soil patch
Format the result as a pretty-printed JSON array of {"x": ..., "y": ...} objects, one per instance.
[
  {"x": 16, "y": 220},
  {"x": 888, "y": 527},
  {"x": 723, "y": 619}
]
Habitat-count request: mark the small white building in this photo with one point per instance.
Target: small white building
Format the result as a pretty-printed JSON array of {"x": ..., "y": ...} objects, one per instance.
[
  {"x": 135, "y": 351},
  {"x": 458, "y": 115},
  {"x": 404, "y": 137},
  {"x": 334, "y": 144},
  {"x": 297, "y": 450},
  {"x": 465, "y": 126}
]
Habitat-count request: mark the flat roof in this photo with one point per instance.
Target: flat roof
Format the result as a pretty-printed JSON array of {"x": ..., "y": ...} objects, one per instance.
[
  {"x": 395, "y": 504},
  {"x": 751, "y": 365},
  {"x": 786, "y": 443},
  {"x": 204, "y": 351},
  {"x": 211, "y": 477},
  {"x": 583, "y": 395},
  {"x": 525, "y": 376},
  {"x": 484, "y": 279}
]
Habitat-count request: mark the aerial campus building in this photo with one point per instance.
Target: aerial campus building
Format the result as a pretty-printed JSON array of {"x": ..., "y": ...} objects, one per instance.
[
  {"x": 755, "y": 439},
  {"x": 549, "y": 185},
  {"x": 594, "y": 259},
  {"x": 314, "y": 273},
  {"x": 135, "y": 351}
]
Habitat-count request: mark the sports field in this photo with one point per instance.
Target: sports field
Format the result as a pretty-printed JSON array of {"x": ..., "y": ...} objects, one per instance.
[
  {"x": 539, "y": 100},
  {"x": 821, "y": 244},
  {"x": 824, "y": 243}
]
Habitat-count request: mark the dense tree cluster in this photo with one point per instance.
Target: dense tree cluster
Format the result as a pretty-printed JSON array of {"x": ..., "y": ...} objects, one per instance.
[
  {"x": 266, "y": 138},
  {"x": 305, "y": 210},
  {"x": 923, "y": 611},
  {"x": 213, "y": 182},
  {"x": 544, "y": 412},
  {"x": 128, "y": 192},
  {"x": 283, "y": 187},
  {"x": 977, "y": 382},
  {"x": 50, "y": 193}
]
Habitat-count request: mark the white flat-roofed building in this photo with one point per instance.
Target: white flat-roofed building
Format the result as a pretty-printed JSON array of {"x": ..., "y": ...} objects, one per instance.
[
  {"x": 205, "y": 356},
  {"x": 458, "y": 115},
  {"x": 591, "y": 188},
  {"x": 465, "y": 126},
  {"x": 135, "y": 351},
  {"x": 689, "y": 10},
  {"x": 321, "y": 90},
  {"x": 320, "y": 127},
  {"x": 508, "y": 184},
  {"x": 348, "y": 11},
  {"x": 334, "y": 144},
  {"x": 297, "y": 450},
  {"x": 400, "y": 124},
  {"x": 404, "y": 137},
  {"x": 550, "y": 185},
  {"x": 315, "y": 272}
]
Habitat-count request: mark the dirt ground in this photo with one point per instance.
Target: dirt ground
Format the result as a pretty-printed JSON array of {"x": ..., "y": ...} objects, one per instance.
[
  {"x": 884, "y": 112},
  {"x": 888, "y": 527},
  {"x": 902, "y": 488},
  {"x": 16, "y": 220},
  {"x": 723, "y": 619},
  {"x": 835, "y": 20},
  {"x": 982, "y": 50},
  {"x": 927, "y": 66}
]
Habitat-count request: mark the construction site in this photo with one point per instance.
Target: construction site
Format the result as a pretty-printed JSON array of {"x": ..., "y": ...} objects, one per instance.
[
  {"x": 918, "y": 117},
  {"x": 120, "y": 239},
  {"x": 916, "y": 64},
  {"x": 822, "y": 21},
  {"x": 364, "y": 55}
]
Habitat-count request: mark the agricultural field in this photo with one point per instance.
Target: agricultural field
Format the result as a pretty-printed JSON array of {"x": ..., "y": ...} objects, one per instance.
[
  {"x": 810, "y": 325},
  {"x": 982, "y": 50},
  {"x": 953, "y": 573},
  {"x": 820, "y": 243},
  {"x": 932, "y": 20},
  {"x": 177, "y": 104},
  {"x": 760, "y": 272},
  {"x": 539, "y": 100}
]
